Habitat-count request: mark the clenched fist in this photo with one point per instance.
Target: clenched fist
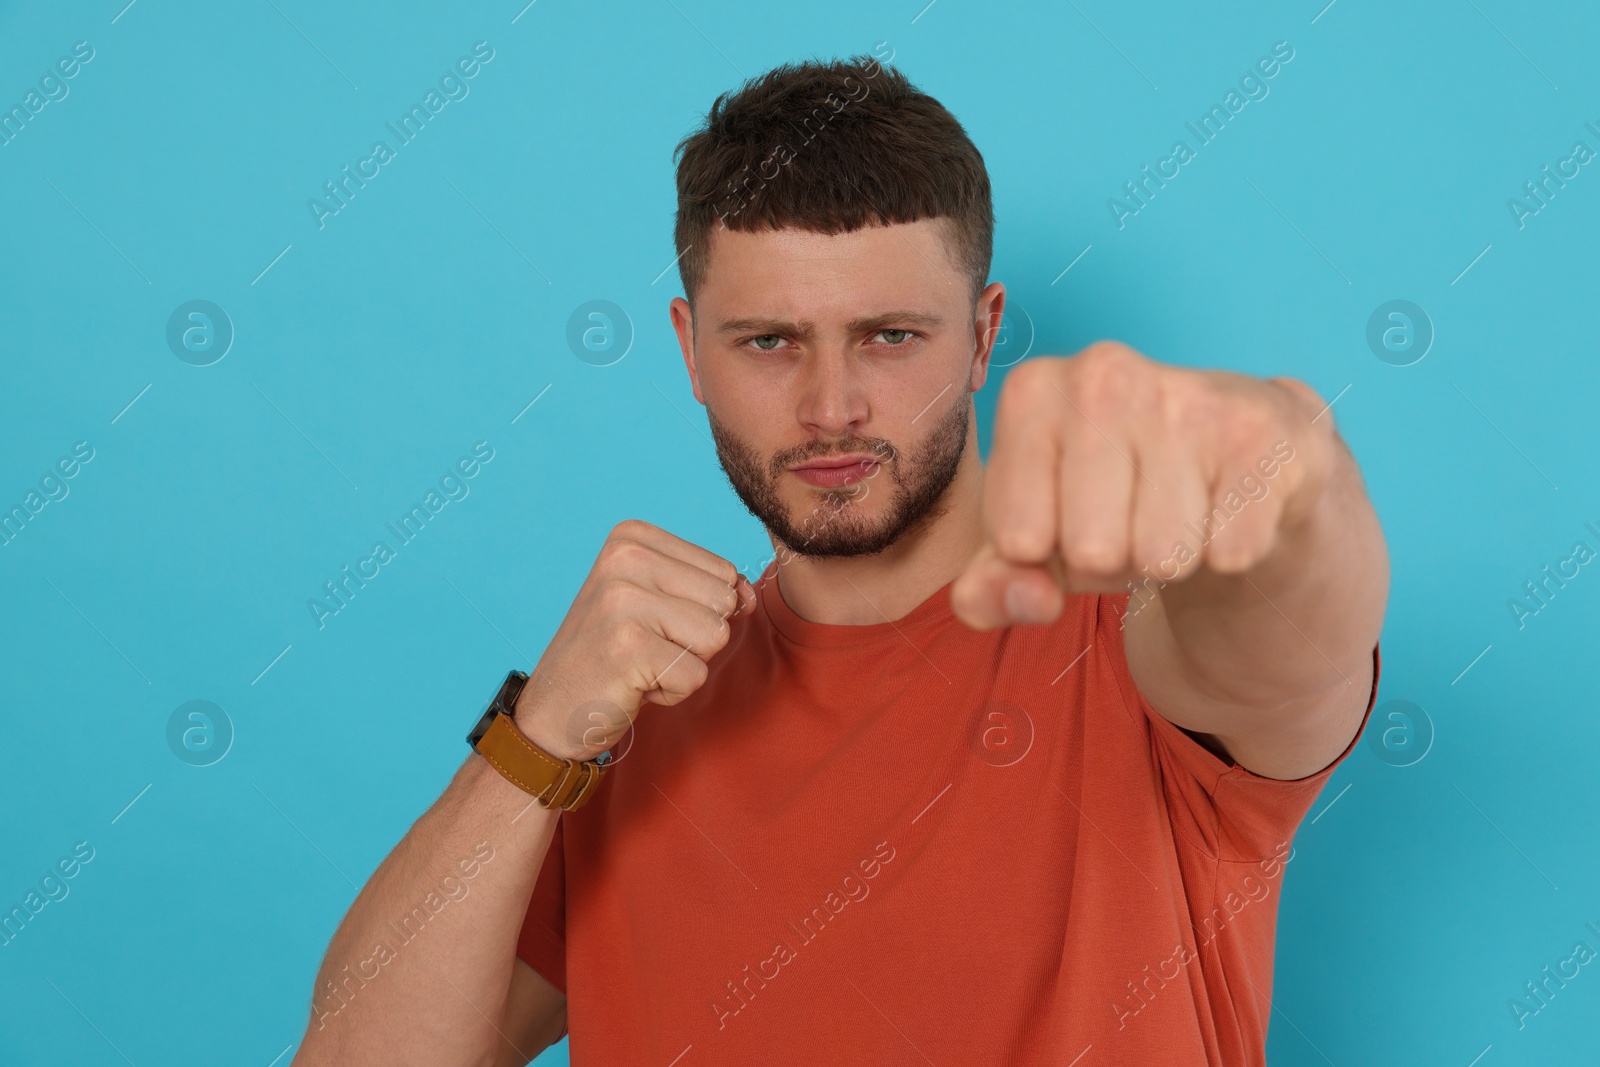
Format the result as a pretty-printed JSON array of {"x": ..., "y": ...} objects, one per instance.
[
  {"x": 643, "y": 627},
  {"x": 1109, "y": 467}
]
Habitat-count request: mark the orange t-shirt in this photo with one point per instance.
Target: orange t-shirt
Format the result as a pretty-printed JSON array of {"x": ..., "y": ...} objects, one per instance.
[{"x": 911, "y": 842}]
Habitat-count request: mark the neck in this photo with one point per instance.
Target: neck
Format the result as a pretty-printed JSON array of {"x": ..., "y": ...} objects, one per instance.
[{"x": 859, "y": 590}]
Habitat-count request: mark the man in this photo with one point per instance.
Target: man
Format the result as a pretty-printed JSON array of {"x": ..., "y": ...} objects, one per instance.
[{"x": 987, "y": 766}]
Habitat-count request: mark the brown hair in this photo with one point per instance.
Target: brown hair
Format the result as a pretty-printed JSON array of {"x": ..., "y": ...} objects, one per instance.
[{"x": 830, "y": 147}]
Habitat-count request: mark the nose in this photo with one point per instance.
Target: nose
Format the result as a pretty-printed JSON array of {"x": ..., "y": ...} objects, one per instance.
[{"x": 832, "y": 398}]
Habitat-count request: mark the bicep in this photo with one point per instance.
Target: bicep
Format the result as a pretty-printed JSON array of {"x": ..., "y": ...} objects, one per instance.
[{"x": 535, "y": 1015}]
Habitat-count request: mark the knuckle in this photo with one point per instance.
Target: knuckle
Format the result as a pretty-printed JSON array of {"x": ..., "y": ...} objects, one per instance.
[
  {"x": 1095, "y": 554},
  {"x": 1107, "y": 376},
  {"x": 1108, "y": 355},
  {"x": 1305, "y": 393},
  {"x": 1247, "y": 435},
  {"x": 1189, "y": 412},
  {"x": 725, "y": 570},
  {"x": 1015, "y": 541},
  {"x": 687, "y": 675},
  {"x": 706, "y": 633},
  {"x": 1108, "y": 348},
  {"x": 624, "y": 554},
  {"x": 1024, "y": 374},
  {"x": 631, "y": 639},
  {"x": 1022, "y": 387},
  {"x": 621, "y": 597},
  {"x": 1230, "y": 557},
  {"x": 631, "y": 528}
]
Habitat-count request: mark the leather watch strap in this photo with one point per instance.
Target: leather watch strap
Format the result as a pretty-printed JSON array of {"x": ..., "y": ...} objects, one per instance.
[{"x": 555, "y": 783}]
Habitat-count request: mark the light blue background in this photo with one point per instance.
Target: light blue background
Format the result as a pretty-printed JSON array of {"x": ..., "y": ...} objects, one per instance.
[{"x": 428, "y": 314}]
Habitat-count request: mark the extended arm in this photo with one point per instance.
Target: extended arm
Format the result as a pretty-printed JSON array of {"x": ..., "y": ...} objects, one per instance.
[
  {"x": 1229, "y": 509},
  {"x": 1274, "y": 663}
]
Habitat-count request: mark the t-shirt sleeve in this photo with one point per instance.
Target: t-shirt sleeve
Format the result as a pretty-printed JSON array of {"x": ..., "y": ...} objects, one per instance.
[
  {"x": 1234, "y": 813},
  {"x": 542, "y": 944}
]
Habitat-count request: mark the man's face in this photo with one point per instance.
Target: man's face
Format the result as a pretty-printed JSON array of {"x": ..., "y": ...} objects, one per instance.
[{"x": 812, "y": 349}]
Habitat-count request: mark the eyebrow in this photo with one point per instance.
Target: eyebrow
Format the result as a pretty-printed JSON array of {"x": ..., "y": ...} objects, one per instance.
[{"x": 804, "y": 330}]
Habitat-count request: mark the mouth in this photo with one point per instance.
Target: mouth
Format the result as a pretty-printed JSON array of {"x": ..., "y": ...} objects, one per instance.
[{"x": 837, "y": 470}]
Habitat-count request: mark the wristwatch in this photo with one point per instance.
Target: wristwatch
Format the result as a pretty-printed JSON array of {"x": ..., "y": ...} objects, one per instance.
[{"x": 553, "y": 781}]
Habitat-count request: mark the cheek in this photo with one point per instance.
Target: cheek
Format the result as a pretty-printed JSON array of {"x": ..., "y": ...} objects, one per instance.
[
  {"x": 739, "y": 389},
  {"x": 761, "y": 411}
]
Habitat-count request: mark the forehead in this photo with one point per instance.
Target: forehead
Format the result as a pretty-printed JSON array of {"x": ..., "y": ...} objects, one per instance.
[{"x": 902, "y": 264}]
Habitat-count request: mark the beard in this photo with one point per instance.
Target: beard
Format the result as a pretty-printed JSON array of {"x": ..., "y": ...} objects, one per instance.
[{"x": 836, "y": 526}]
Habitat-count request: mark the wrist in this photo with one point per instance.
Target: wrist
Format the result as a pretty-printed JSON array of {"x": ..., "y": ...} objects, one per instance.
[
  {"x": 538, "y": 726},
  {"x": 528, "y": 749}
]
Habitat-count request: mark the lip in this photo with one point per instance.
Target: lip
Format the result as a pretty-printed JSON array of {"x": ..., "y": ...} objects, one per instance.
[
  {"x": 837, "y": 461},
  {"x": 835, "y": 471}
]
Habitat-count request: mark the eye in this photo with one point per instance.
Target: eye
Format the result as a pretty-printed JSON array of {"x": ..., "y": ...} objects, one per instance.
[
  {"x": 775, "y": 338},
  {"x": 895, "y": 338}
]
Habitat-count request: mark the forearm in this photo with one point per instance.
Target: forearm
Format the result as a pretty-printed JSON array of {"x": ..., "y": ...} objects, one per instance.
[
  {"x": 1302, "y": 620},
  {"x": 403, "y": 983}
]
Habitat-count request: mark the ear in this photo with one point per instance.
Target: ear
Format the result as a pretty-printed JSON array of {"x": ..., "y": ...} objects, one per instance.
[
  {"x": 683, "y": 326},
  {"x": 986, "y": 325}
]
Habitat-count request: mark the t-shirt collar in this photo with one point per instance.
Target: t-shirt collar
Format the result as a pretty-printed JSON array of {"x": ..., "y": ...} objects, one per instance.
[{"x": 929, "y": 614}]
